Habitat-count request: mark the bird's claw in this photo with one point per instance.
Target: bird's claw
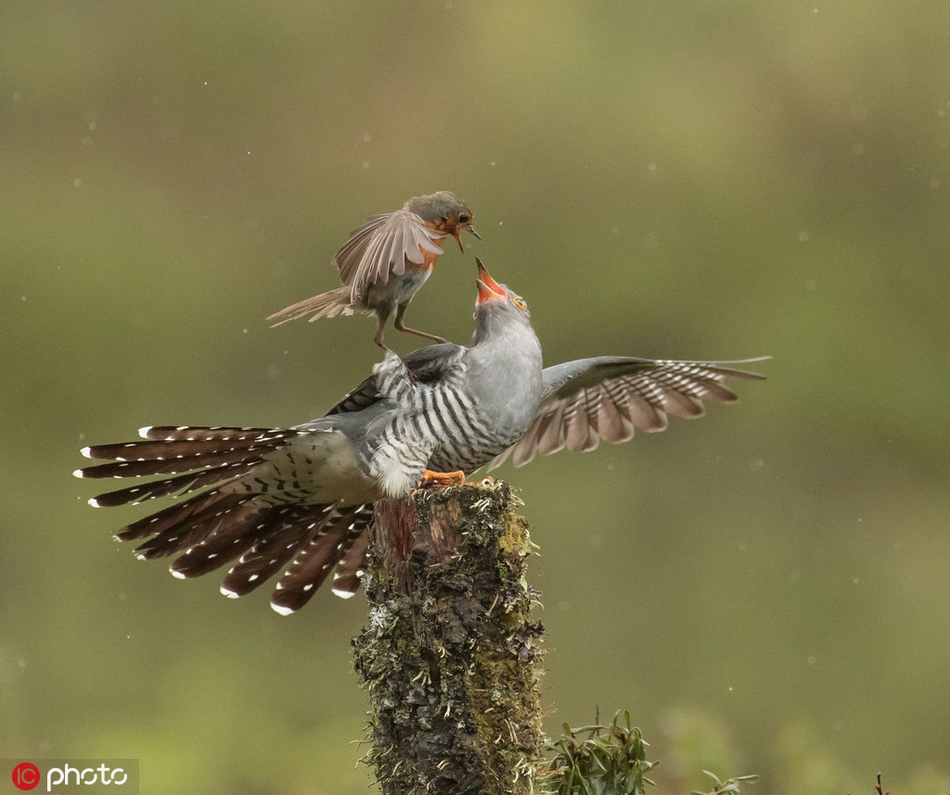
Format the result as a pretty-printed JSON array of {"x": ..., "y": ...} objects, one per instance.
[{"x": 430, "y": 479}]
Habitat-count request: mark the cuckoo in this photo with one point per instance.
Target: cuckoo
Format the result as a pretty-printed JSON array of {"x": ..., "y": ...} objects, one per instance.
[{"x": 297, "y": 500}]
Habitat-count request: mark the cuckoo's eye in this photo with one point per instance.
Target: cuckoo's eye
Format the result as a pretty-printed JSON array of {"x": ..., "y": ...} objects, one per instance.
[{"x": 518, "y": 301}]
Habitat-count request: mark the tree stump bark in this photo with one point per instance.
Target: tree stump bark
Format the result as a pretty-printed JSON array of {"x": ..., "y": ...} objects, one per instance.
[{"x": 450, "y": 654}]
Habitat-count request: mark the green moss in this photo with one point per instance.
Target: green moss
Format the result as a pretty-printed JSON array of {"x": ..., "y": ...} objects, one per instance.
[{"x": 450, "y": 654}]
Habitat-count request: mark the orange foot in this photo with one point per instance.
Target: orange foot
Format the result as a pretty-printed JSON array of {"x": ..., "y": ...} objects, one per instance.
[{"x": 430, "y": 478}]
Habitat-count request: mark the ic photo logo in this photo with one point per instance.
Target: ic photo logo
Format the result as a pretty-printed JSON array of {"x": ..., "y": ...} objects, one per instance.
[
  {"x": 26, "y": 776},
  {"x": 88, "y": 776}
]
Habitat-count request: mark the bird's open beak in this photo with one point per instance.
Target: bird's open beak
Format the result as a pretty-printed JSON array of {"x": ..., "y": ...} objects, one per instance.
[{"x": 488, "y": 288}]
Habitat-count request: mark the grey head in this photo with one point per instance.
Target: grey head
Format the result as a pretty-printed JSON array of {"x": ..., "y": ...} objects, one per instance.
[{"x": 444, "y": 212}]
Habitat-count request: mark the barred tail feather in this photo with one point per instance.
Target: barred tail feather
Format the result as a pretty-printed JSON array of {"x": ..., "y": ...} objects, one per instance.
[
  {"x": 222, "y": 525},
  {"x": 181, "y": 484},
  {"x": 316, "y": 560},
  {"x": 183, "y": 529},
  {"x": 189, "y": 511},
  {"x": 209, "y": 433},
  {"x": 294, "y": 527},
  {"x": 197, "y": 457},
  {"x": 349, "y": 569},
  {"x": 229, "y": 536}
]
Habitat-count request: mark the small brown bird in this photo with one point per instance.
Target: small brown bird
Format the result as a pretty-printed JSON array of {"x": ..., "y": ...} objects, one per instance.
[{"x": 386, "y": 261}]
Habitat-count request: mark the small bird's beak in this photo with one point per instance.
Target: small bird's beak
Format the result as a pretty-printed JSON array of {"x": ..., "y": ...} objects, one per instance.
[
  {"x": 488, "y": 288},
  {"x": 458, "y": 239}
]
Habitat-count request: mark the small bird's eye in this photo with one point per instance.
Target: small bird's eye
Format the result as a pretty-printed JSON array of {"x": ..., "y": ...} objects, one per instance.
[
  {"x": 518, "y": 301},
  {"x": 463, "y": 219}
]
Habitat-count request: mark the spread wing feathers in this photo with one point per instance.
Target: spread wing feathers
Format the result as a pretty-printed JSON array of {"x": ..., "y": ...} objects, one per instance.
[
  {"x": 215, "y": 527},
  {"x": 426, "y": 364},
  {"x": 609, "y": 397},
  {"x": 383, "y": 244}
]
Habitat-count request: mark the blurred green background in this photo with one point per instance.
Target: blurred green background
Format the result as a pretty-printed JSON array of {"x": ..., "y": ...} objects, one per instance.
[{"x": 766, "y": 590}]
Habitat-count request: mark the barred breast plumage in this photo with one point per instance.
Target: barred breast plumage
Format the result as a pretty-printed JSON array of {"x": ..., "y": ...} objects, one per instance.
[{"x": 298, "y": 500}]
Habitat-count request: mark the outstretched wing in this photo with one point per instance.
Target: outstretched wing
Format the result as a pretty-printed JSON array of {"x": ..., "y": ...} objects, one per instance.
[
  {"x": 609, "y": 397},
  {"x": 382, "y": 244}
]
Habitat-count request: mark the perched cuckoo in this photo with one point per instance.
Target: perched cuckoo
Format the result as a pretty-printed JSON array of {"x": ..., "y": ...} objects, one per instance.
[
  {"x": 298, "y": 499},
  {"x": 386, "y": 260}
]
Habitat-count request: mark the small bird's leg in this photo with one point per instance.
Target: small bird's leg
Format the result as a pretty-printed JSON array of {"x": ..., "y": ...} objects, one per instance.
[
  {"x": 378, "y": 339},
  {"x": 400, "y": 326}
]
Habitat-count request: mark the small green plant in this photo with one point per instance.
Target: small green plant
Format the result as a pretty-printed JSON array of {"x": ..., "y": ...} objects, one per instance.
[
  {"x": 730, "y": 785},
  {"x": 598, "y": 760},
  {"x": 610, "y": 760}
]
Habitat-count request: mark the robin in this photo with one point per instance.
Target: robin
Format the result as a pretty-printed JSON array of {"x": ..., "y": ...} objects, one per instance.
[
  {"x": 300, "y": 498},
  {"x": 386, "y": 260}
]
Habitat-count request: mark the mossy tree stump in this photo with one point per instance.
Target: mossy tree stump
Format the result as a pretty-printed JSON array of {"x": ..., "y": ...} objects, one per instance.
[{"x": 450, "y": 654}]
